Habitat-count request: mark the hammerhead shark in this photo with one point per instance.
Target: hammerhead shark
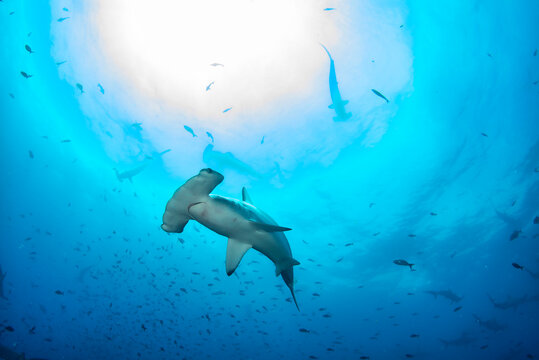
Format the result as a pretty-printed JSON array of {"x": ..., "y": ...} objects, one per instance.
[
  {"x": 513, "y": 302},
  {"x": 128, "y": 174},
  {"x": 490, "y": 324},
  {"x": 245, "y": 225},
  {"x": 448, "y": 294},
  {"x": 2, "y": 277},
  {"x": 463, "y": 340},
  {"x": 337, "y": 101}
]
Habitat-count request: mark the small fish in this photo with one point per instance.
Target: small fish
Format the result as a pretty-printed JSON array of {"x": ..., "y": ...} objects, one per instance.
[
  {"x": 433, "y": 214},
  {"x": 61, "y": 62},
  {"x": 65, "y": 141},
  {"x": 409, "y": 356},
  {"x": 216, "y": 64},
  {"x": 189, "y": 130},
  {"x": 32, "y": 330},
  {"x": 457, "y": 308},
  {"x": 79, "y": 86},
  {"x": 304, "y": 330},
  {"x": 65, "y": 9},
  {"x": 536, "y": 220},
  {"x": 485, "y": 135},
  {"x": 143, "y": 327},
  {"x": 329, "y": 9},
  {"x": 62, "y": 19},
  {"x": 339, "y": 259},
  {"x": 11, "y": 95},
  {"x": 9, "y": 328},
  {"x": 209, "y": 135},
  {"x": 371, "y": 205},
  {"x": 414, "y": 335},
  {"x": 209, "y": 85},
  {"x": 348, "y": 244},
  {"x": 376, "y": 233},
  {"x": 483, "y": 347},
  {"x": 378, "y": 93},
  {"x": 58, "y": 292},
  {"x": 412, "y": 235},
  {"x": 403, "y": 263},
  {"x": 25, "y": 75},
  {"x": 515, "y": 235},
  {"x": 29, "y": 49},
  {"x": 227, "y": 110},
  {"x": 517, "y": 266},
  {"x": 31, "y": 154},
  {"x": 101, "y": 89}
]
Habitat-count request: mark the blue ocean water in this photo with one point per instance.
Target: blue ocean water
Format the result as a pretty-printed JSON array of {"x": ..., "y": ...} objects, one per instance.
[{"x": 427, "y": 155}]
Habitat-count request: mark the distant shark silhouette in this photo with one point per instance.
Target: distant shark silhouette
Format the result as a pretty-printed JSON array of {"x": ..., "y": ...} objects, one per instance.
[
  {"x": 463, "y": 340},
  {"x": 128, "y": 174},
  {"x": 2, "y": 277},
  {"x": 245, "y": 225},
  {"x": 448, "y": 294},
  {"x": 490, "y": 324},
  {"x": 513, "y": 302},
  {"x": 337, "y": 102},
  {"x": 226, "y": 160}
]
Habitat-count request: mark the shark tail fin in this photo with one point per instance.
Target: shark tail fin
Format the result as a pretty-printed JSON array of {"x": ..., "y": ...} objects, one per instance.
[
  {"x": 411, "y": 269},
  {"x": 285, "y": 265},
  {"x": 118, "y": 175},
  {"x": 294, "y": 298}
]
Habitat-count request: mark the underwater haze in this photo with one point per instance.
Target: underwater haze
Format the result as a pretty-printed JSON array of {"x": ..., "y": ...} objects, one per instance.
[{"x": 374, "y": 161}]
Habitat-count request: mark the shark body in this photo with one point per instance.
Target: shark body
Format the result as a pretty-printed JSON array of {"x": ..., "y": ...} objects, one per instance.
[
  {"x": 463, "y": 340},
  {"x": 245, "y": 225},
  {"x": 448, "y": 294},
  {"x": 337, "y": 102},
  {"x": 128, "y": 174}
]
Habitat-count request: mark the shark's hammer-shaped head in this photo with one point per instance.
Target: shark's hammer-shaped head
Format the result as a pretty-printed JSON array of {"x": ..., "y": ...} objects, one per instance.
[{"x": 194, "y": 190}]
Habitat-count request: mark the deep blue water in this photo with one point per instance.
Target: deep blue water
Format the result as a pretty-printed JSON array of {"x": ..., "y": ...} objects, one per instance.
[{"x": 444, "y": 175}]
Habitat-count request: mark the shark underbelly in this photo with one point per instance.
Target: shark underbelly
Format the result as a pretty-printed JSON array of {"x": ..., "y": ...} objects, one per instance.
[{"x": 234, "y": 220}]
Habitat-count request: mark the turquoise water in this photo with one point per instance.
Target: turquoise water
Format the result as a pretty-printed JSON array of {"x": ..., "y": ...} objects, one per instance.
[{"x": 443, "y": 175}]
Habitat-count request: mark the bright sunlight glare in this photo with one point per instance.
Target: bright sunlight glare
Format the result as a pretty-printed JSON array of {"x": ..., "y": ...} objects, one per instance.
[{"x": 203, "y": 57}]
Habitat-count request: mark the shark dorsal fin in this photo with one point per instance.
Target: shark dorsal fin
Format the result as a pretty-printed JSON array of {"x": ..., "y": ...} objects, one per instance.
[
  {"x": 245, "y": 196},
  {"x": 269, "y": 227},
  {"x": 234, "y": 253}
]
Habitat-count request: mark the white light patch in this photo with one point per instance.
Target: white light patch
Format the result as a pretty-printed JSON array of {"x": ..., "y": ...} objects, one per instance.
[{"x": 260, "y": 51}]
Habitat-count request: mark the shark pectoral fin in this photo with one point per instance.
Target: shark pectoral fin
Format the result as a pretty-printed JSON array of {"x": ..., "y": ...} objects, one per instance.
[
  {"x": 269, "y": 227},
  {"x": 245, "y": 196},
  {"x": 331, "y": 106},
  {"x": 284, "y": 265},
  {"x": 234, "y": 253}
]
